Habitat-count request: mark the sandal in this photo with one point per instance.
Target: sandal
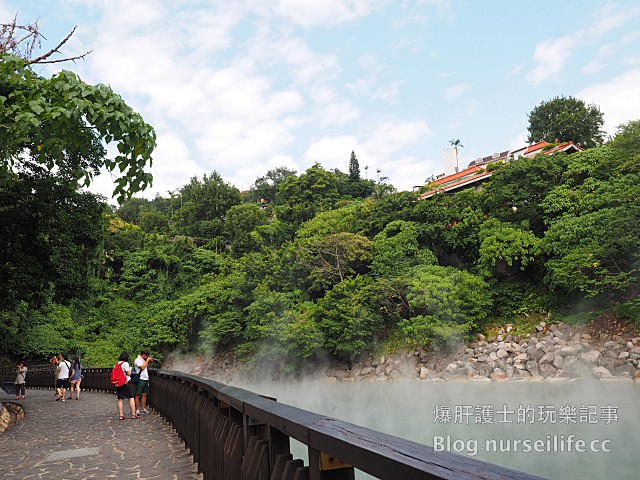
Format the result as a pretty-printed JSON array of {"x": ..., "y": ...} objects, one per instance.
[
  {"x": 121, "y": 417},
  {"x": 135, "y": 416},
  {"x": 58, "y": 397}
]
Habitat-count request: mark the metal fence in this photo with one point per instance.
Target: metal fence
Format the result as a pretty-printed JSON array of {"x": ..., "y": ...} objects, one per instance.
[{"x": 237, "y": 434}]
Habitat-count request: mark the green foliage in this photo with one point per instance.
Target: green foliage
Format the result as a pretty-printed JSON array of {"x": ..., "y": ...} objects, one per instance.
[
  {"x": 396, "y": 249},
  {"x": 348, "y": 321},
  {"x": 48, "y": 118},
  {"x": 354, "y": 168},
  {"x": 446, "y": 303},
  {"x": 505, "y": 249},
  {"x": 631, "y": 310},
  {"x": 595, "y": 253},
  {"x": 333, "y": 258},
  {"x": 566, "y": 119}
]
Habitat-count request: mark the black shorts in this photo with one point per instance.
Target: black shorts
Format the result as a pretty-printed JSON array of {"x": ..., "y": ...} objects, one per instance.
[
  {"x": 63, "y": 383},
  {"x": 125, "y": 391}
]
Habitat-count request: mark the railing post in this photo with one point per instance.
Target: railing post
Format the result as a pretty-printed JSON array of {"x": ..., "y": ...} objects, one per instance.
[{"x": 325, "y": 467}]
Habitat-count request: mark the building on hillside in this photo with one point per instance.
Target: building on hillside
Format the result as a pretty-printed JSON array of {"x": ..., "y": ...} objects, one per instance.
[
  {"x": 469, "y": 177},
  {"x": 477, "y": 172}
]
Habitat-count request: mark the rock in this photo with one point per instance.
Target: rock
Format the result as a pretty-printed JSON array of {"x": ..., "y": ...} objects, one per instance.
[
  {"x": 623, "y": 355},
  {"x": 625, "y": 370},
  {"x": 532, "y": 367},
  {"x": 535, "y": 353},
  {"x": 547, "y": 358},
  {"x": 498, "y": 375},
  {"x": 502, "y": 353},
  {"x": 586, "y": 336},
  {"x": 547, "y": 370},
  {"x": 481, "y": 337},
  {"x": 570, "y": 350},
  {"x": 600, "y": 372},
  {"x": 367, "y": 371},
  {"x": 424, "y": 373},
  {"x": 590, "y": 356},
  {"x": 558, "y": 361},
  {"x": 575, "y": 368},
  {"x": 521, "y": 374},
  {"x": 636, "y": 376}
]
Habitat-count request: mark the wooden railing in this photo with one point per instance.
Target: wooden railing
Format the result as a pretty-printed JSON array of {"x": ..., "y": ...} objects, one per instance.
[{"x": 237, "y": 434}]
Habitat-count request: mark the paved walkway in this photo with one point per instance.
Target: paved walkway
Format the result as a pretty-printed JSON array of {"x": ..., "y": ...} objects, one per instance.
[{"x": 85, "y": 440}]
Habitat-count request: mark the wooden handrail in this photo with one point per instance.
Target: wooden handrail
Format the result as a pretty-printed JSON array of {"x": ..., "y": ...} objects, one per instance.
[{"x": 234, "y": 433}]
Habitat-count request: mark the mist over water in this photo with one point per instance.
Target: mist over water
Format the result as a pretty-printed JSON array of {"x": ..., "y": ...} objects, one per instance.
[{"x": 583, "y": 429}]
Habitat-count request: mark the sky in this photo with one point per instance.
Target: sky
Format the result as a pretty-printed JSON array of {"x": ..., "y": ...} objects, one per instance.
[{"x": 241, "y": 87}]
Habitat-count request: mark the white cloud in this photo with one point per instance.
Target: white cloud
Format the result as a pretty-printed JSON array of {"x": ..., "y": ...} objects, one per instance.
[
  {"x": 455, "y": 91},
  {"x": 618, "y": 99},
  {"x": 322, "y": 12},
  {"x": 550, "y": 57},
  {"x": 332, "y": 152}
]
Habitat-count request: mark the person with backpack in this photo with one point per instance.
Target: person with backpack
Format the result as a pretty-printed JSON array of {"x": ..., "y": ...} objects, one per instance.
[
  {"x": 64, "y": 369},
  {"x": 120, "y": 378}
]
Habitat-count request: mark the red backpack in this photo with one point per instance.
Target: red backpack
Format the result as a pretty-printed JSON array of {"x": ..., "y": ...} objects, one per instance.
[{"x": 118, "y": 378}]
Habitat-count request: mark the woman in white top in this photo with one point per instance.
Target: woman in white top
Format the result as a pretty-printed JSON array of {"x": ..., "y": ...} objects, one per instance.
[{"x": 21, "y": 380}]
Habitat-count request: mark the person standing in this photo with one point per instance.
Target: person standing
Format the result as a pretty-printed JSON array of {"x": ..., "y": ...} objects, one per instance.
[
  {"x": 64, "y": 368},
  {"x": 142, "y": 387},
  {"x": 54, "y": 364},
  {"x": 75, "y": 379},
  {"x": 125, "y": 392},
  {"x": 21, "y": 380}
]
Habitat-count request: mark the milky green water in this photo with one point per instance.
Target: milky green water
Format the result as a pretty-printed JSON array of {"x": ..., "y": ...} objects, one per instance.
[{"x": 577, "y": 430}]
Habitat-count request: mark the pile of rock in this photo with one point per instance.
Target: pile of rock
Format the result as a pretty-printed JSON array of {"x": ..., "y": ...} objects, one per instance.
[
  {"x": 10, "y": 414},
  {"x": 556, "y": 352}
]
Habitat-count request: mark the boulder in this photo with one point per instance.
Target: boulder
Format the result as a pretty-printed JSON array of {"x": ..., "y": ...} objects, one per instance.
[
  {"x": 590, "y": 356},
  {"x": 498, "y": 375},
  {"x": 575, "y": 368},
  {"x": 558, "y": 361},
  {"x": 547, "y": 370},
  {"x": 600, "y": 372},
  {"x": 570, "y": 350}
]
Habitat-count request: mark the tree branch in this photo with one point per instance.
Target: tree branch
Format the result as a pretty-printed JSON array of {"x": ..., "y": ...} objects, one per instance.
[{"x": 43, "y": 58}]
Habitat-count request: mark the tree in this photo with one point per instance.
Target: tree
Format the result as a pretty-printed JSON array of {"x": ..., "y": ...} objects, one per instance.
[
  {"x": 455, "y": 143},
  {"x": 354, "y": 168},
  {"x": 266, "y": 187},
  {"x": 566, "y": 119},
  {"x": 334, "y": 257},
  {"x": 61, "y": 123}
]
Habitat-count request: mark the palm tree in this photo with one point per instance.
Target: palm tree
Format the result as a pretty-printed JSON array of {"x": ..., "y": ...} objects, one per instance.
[{"x": 455, "y": 143}]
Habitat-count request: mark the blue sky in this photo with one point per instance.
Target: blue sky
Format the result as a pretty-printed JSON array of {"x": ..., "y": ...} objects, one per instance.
[{"x": 245, "y": 86}]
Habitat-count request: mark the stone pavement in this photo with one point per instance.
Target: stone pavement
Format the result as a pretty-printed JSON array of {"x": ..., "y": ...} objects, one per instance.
[{"x": 84, "y": 439}]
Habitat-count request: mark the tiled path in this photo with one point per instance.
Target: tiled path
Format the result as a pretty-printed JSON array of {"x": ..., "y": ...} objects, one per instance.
[{"x": 85, "y": 440}]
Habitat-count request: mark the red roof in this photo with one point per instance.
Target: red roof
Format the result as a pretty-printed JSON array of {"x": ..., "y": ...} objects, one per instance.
[
  {"x": 562, "y": 147},
  {"x": 535, "y": 146},
  {"x": 454, "y": 176},
  {"x": 467, "y": 179}
]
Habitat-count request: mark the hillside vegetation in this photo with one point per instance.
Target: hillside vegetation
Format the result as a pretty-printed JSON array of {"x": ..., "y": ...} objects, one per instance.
[{"x": 318, "y": 263}]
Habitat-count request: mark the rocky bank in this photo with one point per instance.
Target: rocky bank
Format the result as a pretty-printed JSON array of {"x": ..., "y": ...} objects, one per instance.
[
  {"x": 606, "y": 350},
  {"x": 557, "y": 352}
]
